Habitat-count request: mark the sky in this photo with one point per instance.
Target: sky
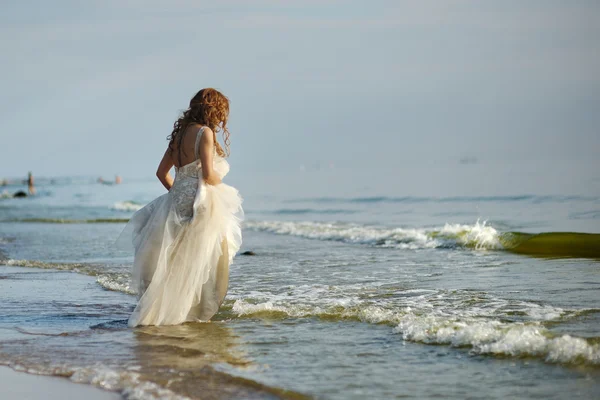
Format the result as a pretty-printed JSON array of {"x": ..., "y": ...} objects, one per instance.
[{"x": 327, "y": 97}]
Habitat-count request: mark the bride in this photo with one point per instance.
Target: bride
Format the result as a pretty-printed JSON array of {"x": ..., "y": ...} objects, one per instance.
[{"x": 185, "y": 240}]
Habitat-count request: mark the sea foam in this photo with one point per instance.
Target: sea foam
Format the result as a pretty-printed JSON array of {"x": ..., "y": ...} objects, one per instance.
[
  {"x": 482, "y": 336},
  {"x": 478, "y": 236},
  {"x": 126, "y": 206},
  {"x": 441, "y": 318},
  {"x": 128, "y": 384}
]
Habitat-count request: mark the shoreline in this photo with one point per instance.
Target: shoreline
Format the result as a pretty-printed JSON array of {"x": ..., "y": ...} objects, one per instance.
[
  {"x": 22, "y": 385},
  {"x": 193, "y": 349}
]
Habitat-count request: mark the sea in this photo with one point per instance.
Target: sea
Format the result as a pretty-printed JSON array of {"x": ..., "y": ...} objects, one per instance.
[{"x": 330, "y": 298}]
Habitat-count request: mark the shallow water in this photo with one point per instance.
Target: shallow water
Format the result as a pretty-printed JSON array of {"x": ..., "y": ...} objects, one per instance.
[{"x": 400, "y": 297}]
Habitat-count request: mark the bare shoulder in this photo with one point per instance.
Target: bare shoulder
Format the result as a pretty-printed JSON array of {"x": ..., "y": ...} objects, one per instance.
[
  {"x": 208, "y": 136},
  {"x": 193, "y": 128}
]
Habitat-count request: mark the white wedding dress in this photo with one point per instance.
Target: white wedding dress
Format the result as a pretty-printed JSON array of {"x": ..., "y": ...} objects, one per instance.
[{"x": 184, "y": 242}]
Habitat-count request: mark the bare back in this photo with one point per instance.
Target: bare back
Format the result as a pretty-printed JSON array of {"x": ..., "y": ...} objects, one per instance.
[{"x": 186, "y": 154}]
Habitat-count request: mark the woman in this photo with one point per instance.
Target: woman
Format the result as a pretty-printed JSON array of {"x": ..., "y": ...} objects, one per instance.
[{"x": 185, "y": 240}]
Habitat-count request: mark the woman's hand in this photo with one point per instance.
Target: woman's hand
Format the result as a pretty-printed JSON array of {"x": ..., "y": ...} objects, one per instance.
[{"x": 213, "y": 181}]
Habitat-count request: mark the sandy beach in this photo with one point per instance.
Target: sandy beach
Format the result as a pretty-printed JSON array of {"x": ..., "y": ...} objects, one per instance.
[{"x": 23, "y": 386}]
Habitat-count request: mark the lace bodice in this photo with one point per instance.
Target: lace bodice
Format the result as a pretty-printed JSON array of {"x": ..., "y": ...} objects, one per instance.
[
  {"x": 188, "y": 178},
  {"x": 194, "y": 169}
]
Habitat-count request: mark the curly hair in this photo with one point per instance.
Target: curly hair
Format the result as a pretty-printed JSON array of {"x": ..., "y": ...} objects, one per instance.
[{"x": 208, "y": 107}]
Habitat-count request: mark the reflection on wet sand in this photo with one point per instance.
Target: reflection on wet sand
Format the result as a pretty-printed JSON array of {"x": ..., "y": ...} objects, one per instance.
[
  {"x": 89, "y": 342},
  {"x": 182, "y": 359},
  {"x": 187, "y": 346}
]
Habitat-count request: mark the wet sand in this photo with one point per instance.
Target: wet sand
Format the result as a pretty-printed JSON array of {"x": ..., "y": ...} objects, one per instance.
[{"x": 23, "y": 386}]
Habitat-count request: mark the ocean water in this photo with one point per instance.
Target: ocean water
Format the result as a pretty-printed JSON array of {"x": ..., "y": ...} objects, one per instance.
[{"x": 385, "y": 297}]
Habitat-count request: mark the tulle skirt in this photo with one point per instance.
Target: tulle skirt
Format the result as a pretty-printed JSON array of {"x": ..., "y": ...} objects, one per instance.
[{"x": 181, "y": 264}]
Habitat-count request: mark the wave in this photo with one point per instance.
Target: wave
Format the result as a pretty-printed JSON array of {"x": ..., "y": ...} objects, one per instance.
[
  {"x": 480, "y": 236},
  {"x": 452, "y": 199},
  {"x": 126, "y": 206},
  {"x": 116, "y": 282},
  {"x": 554, "y": 244},
  {"x": 107, "y": 277},
  {"x": 482, "y": 335},
  {"x": 86, "y": 269},
  {"x": 129, "y": 384},
  {"x": 6, "y": 195},
  {"x": 458, "y": 318}
]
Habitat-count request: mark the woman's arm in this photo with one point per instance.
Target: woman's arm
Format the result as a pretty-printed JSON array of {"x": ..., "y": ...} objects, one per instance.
[
  {"x": 162, "y": 173},
  {"x": 207, "y": 144}
]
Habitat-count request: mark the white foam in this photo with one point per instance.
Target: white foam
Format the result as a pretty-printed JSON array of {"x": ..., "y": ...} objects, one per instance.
[
  {"x": 422, "y": 323},
  {"x": 544, "y": 313},
  {"x": 527, "y": 340},
  {"x": 126, "y": 206},
  {"x": 128, "y": 384},
  {"x": 47, "y": 265},
  {"x": 495, "y": 337},
  {"x": 479, "y": 235},
  {"x": 242, "y": 308},
  {"x": 116, "y": 282}
]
